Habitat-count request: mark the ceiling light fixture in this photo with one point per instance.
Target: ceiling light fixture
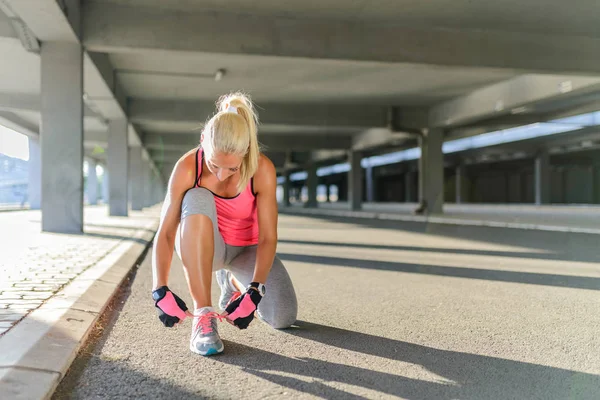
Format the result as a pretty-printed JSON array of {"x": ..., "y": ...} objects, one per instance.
[
  {"x": 519, "y": 110},
  {"x": 219, "y": 74}
]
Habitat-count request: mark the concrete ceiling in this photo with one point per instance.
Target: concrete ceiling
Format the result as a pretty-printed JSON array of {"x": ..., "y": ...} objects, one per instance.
[
  {"x": 180, "y": 75},
  {"x": 324, "y": 74},
  {"x": 578, "y": 17}
]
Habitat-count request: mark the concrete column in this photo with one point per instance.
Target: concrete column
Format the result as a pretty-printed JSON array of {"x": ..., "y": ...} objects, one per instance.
[
  {"x": 136, "y": 178},
  {"x": 105, "y": 184},
  {"x": 287, "y": 187},
  {"x": 431, "y": 171},
  {"x": 92, "y": 183},
  {"x": 34, "y": 187},
  {"x": 596, "y": 184},
  {"x": 311, "y": 184},
  {"x": 460, "y": 170},
  {"x": 327, "y": 192},
  {"x": 61, "y": 137},
  {"x": 369, "y": 182},
  {"x": 542, "y": 178},
  {"x": 118, "y": 167},
  {"x": 153, "y": 188},
  {"x": 160, "y": 193},
  {"x": 409, "y": 178},
  {"x": 355, "y": 180},
  {"x": 147, "y": 174}
]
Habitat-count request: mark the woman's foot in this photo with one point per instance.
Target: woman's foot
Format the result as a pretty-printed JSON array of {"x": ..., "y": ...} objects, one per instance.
[
  {"x": 205, "y": 338},
  {"x": 228, "y": 289}
]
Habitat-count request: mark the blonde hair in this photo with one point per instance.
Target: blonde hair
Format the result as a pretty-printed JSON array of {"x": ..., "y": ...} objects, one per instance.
[{"x": 234, "y": 131}]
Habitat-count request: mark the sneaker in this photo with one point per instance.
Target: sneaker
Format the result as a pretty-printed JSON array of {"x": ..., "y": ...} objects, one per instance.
[
  {"x": 205, "y": 338},
  {"x": 228, "y": 291}
]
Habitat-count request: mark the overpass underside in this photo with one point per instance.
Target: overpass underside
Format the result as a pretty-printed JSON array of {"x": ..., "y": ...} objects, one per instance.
[{"x": 469, "y": 104}]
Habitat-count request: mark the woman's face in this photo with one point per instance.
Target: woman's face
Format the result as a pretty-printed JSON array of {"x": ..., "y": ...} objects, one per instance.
[{"x": 223, "y": 165}]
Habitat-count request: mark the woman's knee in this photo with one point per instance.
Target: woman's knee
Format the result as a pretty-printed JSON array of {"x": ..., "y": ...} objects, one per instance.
[
  {"x": 282, "y": 304},
  {"x": 283, "y": 320},
  {"x": 198, "y": 201}
]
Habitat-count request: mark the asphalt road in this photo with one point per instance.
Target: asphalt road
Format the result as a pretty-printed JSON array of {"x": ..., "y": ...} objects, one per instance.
[{"x": 387, "y": 310}]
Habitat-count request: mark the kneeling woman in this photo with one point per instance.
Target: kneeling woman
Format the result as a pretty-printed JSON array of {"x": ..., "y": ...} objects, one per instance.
[{"x": 220, "y": 214}]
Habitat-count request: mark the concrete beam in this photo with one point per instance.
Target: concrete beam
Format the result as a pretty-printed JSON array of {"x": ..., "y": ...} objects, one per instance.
[
  {"x": 271, "y": 142},
  {"x": 6, "y": 26},
  {"x": 18, "y": 27},
  {"x": 17, "y": 124},
  {"x": 31, "y": 103},
  {"x": 375, "y": 138},
  {"x": 512, "y": 96},
  {"x": 60, "y": 21},
  {"x": 116, "y": 28},
  {"x": 367, "y": 116},
  {"x": 322, "y": 156},
  {"x": 47, "y": 20}
]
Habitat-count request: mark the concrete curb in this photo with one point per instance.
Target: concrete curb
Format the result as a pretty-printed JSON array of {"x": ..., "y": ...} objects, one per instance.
[
  {"x": 38, "y": 351},
  {"x": 438, "y": 220}
]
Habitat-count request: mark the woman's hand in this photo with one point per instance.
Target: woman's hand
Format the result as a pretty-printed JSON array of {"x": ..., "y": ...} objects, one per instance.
[
  {"x": 171, "y": 309},
  {"x": 240, "y": 312}
]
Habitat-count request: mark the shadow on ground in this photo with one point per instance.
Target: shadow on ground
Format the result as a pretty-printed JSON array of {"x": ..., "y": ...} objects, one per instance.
[
  {"x": 568, "y": 281},
  {"x": 474, "y": 252},
  {"x": 556, "y": 245},
  {"x": 459, "y": 375}
]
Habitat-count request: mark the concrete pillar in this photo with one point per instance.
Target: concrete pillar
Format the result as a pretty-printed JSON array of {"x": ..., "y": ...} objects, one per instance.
[
  {"x": 136, "y": 178},
  {"x": 596, "y": 184},
  {"x": 369, "y": 183},
  {"x": 153, "y": 186},
  {"x": 160, "y": 194},
  {"x": 460, "y": 171},
  {"x": 409, "y": 178},
  {"x": 118, "y": 167},
  {"x": 62, "y": 137},
  {"x": 92, "y": 183},
  {"x": 287, "y": 187},
  {"x": 147, "y": 174},
  {"x": 34, "y": 187},
  {"x": 542, "y": 178},
  {"x": 431, "y": 171},
  {"x": 105, "y": 184},
  {"x": 312, "y": 181},
  {"x": 355, "y": 180},
  {"x": 327, "y": 192}
]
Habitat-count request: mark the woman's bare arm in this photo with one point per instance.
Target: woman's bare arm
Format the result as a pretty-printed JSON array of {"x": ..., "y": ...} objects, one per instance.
[
  {"x": 181, "y": 180},
  {"x": 265, "y": 186}
]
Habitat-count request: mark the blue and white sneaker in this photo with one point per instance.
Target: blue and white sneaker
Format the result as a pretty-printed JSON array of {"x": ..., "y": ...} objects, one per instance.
[
  {"x": 205, "y": 338},
  {"x": 228, "y": 291}
]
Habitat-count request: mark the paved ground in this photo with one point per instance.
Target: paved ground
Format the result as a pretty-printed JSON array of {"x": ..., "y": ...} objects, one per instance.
[
  {"x": 387, "y": 310},
  {"x": 582, "y": 218},
  {"x": 35, "y": 265}
]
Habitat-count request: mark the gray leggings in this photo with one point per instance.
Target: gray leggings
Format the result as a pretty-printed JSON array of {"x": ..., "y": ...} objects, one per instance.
[{"x": 279, "y": 307}]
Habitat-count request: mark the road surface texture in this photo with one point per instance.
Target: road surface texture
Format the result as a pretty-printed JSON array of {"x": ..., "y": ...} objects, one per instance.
[{"x": 387, "y": 310}]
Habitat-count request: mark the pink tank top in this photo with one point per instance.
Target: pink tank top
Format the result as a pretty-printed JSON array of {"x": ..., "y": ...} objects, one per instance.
[{"x": 236, "y": 215}]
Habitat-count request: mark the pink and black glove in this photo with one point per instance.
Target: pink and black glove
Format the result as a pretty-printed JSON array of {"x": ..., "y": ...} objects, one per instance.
[
  {"x": 171, "y": 309},
  {"x": 241, "y": 310}
]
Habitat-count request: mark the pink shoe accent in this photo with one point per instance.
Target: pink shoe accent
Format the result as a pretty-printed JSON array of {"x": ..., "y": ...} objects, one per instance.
[
  {"x": 204, "y": 321},
  {"x": 245, "y": 308},
  {"x": 169, "y": 306}
]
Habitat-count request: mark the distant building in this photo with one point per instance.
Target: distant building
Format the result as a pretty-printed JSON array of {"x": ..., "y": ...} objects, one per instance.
[{"x": 14, "y": 180}]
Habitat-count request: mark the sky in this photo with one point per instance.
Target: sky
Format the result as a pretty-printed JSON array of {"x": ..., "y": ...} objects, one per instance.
[{"x": 13, "y": 144}]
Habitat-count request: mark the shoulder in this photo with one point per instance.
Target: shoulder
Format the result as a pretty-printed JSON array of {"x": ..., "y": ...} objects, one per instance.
[
  {"x": 184, "y": 171},
  {"x": 266, "y": 174}
]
